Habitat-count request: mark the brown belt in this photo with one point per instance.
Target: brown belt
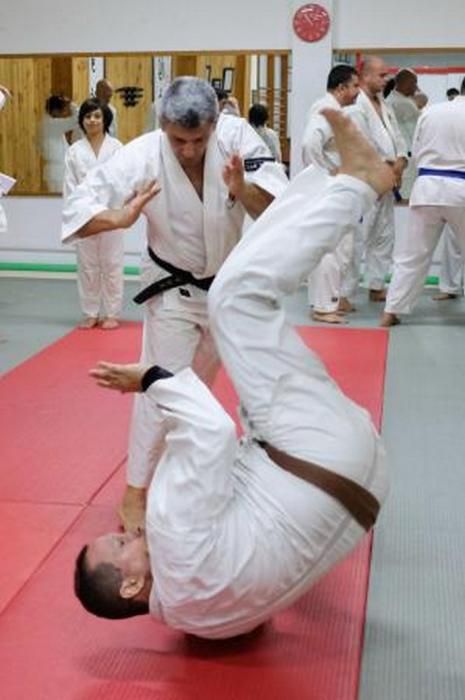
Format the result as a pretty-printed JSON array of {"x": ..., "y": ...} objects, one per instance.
[{"x": 360, "y": 503}]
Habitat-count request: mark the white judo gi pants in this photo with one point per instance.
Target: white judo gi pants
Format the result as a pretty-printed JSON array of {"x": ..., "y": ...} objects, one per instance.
[
  {"x": 414, "y": 250},
  {"x": 175, "y": 336},
  {"x": 287, "y": 398},
  {"x": 325, "y": 282},
  {"x": 452, "y": 264},
  {"x": 375, "y": 238},
  {"x": 100, "y": 262}
]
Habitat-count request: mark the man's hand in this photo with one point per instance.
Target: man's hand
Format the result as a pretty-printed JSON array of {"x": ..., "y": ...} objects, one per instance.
[
  {"x": 133, "y": 207},
  {"x": 233, "y": 176},
  {"x": 398, "y": 168}
]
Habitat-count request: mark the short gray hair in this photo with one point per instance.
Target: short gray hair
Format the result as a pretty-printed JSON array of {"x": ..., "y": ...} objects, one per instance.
[{"x": 189, "y": 102}]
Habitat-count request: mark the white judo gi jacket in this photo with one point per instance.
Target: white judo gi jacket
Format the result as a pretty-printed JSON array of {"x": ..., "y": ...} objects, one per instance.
[
  {"x": 100, "y": 258},
  {"x": 318, "y": 149},
  {"x": 384, "y": 134},
  {"x": 191, "y": 234},
  {"x": 407, "y": 115},
  {"x": 233, "y": 538}
]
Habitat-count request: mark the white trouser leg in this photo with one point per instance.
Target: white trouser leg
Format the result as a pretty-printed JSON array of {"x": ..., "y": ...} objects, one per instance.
[
  {"x": 111, "y": 259},
  {"x": 263, "y": 354},
  {"x": 412, "y": 258},
  {"x": 88, "y": 275},
  {"x": 455, "y": 217},
  {"x": 173, "y": 338},
  {"x": 452, "y": 262},
  {"x": 379, "y": 242},
  {"x": 351, "y": 276},
  {"x": 324, "y": 284}
]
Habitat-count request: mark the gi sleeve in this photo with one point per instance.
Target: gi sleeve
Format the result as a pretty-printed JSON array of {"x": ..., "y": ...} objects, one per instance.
[
  {"x": 192, "y": 484},
  {"x": 107, "y": 186},
  {"x": 237, "y": 136},
  {"x": 318, "y": 136},
  {"x": 70, "y": 181}
]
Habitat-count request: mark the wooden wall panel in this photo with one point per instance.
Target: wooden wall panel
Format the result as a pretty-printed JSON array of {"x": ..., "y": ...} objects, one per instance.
[
  {"x": 137, "y": 71},
  {"x": 80, "y": 79},
  {"x": 30, "y": 80}
]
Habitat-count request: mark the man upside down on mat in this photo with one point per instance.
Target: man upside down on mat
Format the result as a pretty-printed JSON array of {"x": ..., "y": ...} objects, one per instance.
[{"x": 236, "y": 531}]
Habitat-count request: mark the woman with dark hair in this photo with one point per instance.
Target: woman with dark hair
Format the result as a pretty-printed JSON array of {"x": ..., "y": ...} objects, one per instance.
[{"x": 100, "y": 258}]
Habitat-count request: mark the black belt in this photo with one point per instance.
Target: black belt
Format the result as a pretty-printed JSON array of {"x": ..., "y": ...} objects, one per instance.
[
  {"x": 176, "y": 278},
  {"x": 359, "y": 502}
]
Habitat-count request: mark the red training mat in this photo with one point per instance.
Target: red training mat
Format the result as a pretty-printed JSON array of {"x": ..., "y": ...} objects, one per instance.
[{"x": 53, "y": 650}]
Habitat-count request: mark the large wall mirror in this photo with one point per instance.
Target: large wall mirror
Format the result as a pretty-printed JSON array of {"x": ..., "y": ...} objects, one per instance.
[{"x": 138, "y": 81}]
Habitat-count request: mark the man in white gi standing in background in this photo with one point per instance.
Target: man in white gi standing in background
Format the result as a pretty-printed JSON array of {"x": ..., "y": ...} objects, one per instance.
[
  {"x": 209, "y": 172},
  {"x": 319, "y": 149},
  {"x": 407, "y": 113},
  {"x": 438, "y": 197},
  {"x": 4, "y": 97},
  {"x": 378, "y": 123},
  {"x": 237, "y": 532}
]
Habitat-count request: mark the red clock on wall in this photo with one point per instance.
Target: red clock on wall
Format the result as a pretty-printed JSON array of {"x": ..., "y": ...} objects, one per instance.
[{"x": 311, "y": 22}]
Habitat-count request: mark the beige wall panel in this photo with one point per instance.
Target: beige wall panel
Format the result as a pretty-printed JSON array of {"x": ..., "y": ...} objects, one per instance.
[{"x": 124, "y": 71}]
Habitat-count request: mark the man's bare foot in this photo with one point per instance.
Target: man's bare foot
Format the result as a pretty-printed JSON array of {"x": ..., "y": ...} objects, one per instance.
[
  {"x": 358, "y": 157},
  {"x": 328, "y": 317},
  {"x": 388, "y": 320},
  {"x": 109, "y": 323},
  {"x": 345, "y": 306},
  {"x": 131, "y": 511},
  {"x": 122, "y": 378},
  {"x": 377, "y": 295},
  {"x": 88, "y": 322},
  {"x": 444, "y": 296}
]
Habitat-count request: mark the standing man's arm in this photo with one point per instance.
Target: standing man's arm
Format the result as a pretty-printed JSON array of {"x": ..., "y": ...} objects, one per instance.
[{"x": 251, "y": 174}]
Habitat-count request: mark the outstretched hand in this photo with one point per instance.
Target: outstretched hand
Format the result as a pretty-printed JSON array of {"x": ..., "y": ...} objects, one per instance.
[
  {"x": 233, "y": 175},
  {"x": 123, "y": 378},
  {"x": 134, "y": 205}
]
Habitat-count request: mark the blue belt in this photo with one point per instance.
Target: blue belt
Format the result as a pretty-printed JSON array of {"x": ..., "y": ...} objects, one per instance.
[{"x": 459, "y": 174}]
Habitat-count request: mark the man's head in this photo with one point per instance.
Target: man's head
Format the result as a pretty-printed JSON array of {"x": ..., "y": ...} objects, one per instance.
[
  {"x": 452, "y": 93},
  {"x": 112, "y": 577},
  {"x": 406, "y": 82},
  {"x": 188, "y": 115},
  {"x": 343, "y": 83},
  {"x": 258, "y": 115},
  {"x": 374, "y": 74},
  {"x": 104, "y": 90}
]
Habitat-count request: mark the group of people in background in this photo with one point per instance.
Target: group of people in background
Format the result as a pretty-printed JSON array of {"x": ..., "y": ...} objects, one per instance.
[{"x": 391, "y": 114}]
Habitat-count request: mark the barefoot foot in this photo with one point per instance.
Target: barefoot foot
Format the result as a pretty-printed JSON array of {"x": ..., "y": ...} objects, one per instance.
[
  {"x": 388, "y": 320},
  {"x": 131, "y": 511},
  {"x": 122, "y": 378},
  {"x": 345, "y": 306},
  {"x": 377, "y": 295},
  {"x": 358, "y": 158},
  {"x": 109, "y": 323},
  {"x": 444, "y": 296},
  {"x": 328, "y": 317},
  {"x": 88, "y": 322}
]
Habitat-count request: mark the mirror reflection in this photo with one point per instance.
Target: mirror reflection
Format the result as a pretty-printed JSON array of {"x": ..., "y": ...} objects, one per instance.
[{"x": 41, "y": 119}]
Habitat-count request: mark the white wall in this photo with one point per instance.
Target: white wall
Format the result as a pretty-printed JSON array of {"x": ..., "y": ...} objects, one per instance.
[
  {"x": 29, "y": 26},
  {"x": 34, "y": 225},
  {"x": 398, "y": 23}
]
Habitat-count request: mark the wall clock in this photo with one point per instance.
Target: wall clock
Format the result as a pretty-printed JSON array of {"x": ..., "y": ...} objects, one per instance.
[{"x": 311, "y": 22}]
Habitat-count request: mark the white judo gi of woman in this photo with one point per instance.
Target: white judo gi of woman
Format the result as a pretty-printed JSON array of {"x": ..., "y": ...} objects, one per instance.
[
  {"x": 100, "y": 258},
  {"x": 195, "y": 235}
]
